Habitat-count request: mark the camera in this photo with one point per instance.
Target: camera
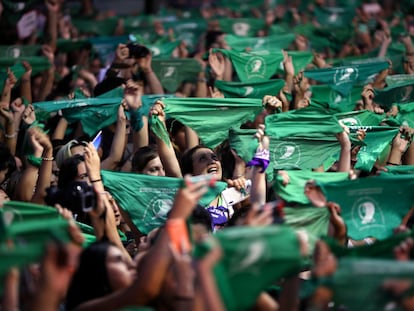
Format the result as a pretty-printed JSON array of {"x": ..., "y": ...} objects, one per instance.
[
  {"x": 78, "y": 196},
  {"x": 137, "y": 50}
]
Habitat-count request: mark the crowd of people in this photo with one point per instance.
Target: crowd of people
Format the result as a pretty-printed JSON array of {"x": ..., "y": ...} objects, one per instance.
[{"x": 217, "y": 155}]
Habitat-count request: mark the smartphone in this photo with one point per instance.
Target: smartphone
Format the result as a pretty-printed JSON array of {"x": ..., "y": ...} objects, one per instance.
[
  {"x": 96, "y": 142},
  {"x": 233, "y": 196}
]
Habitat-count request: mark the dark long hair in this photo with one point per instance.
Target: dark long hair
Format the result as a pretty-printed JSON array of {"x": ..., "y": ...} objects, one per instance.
[{"x": 90, "y": 280}]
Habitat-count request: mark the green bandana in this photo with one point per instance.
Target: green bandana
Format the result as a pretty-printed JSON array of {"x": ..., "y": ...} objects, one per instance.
[
  {"x": 212, "y": 118},
  {"x": 147, "y": 199},
  {"x": 294, "y": 191},
  {"x": 396, "y": 94},
  {"x": 324, "y": 96},
  {"x": 380, "y": 249},
  {"x": 367, "y": 207},
  {"x": 173, "y": 72},
  {"x": 394, "y": 80},
  {"x": 253, "y": 259},
  {"x": 93, "y": 113},
  {"x": 29, "y": 227},
  {"x": 188, "y": 30},
  {"x": 250, "y": 90},
  {"x": 243, "y": 142},
  {"x": 272, "y": 42},
  {"x": 105, "y": 47},
  {"x": 38, "y": 63},
  {"x": 298, "y": 123},
  {"x": 314, "y": 221},
  {"x": 377, "y": 139},
  {"x": 343, "y": 78},
  {"x": 163, "y": 51},
  {"x": 243, "y": 27},
  {"x": 334, "y": 16},
  {"x": 254, "y": 66},
  {"x": 300, "y": 60},
  {"x": 105, "y": 27},
  {"x": 397, "y": 170},
  {"x": 16, "y": 51},
  {"x": 371, "y": 275},
  {"x": 360, "y": 118}
]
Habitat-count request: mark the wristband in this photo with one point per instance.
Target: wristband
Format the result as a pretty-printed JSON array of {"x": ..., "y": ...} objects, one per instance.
[
  {"x": 35, "y": 161},
  {"x": 261, "y": 159},
  {"x": 96, "y": 180}
]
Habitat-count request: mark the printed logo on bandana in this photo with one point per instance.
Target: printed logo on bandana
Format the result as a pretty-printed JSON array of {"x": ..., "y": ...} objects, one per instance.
[
  {"x": 260, "y": 42},
  {"x": 254, "y": 253},
  {"x": 333, "y": 17},
  {"x": 168, "y": 72},
  {"x": 248, "y": 90},
  {"x": 157, "y": 209},
  {"x": 256, "y": 67},
  {"x": 336, "y": 98},
  {"x": 241, "y": 29},
  {"x": 350, "y": 122},
  {"x": 155, "y": 51},
  {"x": 345, "y": 75},
  {"x": 404, "y": 95},
  {"x": 14, "y": 52},
  {"x": 367, "y": 214},
  {"x": 286, "y": 154}
]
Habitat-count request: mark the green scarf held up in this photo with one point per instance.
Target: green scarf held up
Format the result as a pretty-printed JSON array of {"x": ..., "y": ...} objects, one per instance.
[
  {"x": 164, "y": 50},
  {"x": 371, "y": 275},
  {"x": 93, "y": 113},
  {"x": 312, "y": 220},
  {"x": 301, "y": 139},
  {"x": 254, "y": 66},
  {"x": 250, "y": 89},
  {"x": 173, "y": 72},
  {"x": 243, "y": 142},
  {"x": 377, "y": 139},
  {"x": 104, "y": 27},
  {"x": 147, "y": 199},
  {"x": 253, "y": 259},
  {"x": 297, "y": 122},
  {"x": 394, "y": 80},
  {"x": 334, "y": 16},
  {"x": 26, "y": 229},
  {"x": 360, "y": 118},
  {"x": 343, "y": 78},
  {"x": 383, "y": 249},
  {"x": 188, "y": 30},
  {"x": 272, "y": 42},
  {"x": 324, "y": 96},
  {"x": 244, "y": 27},
  {"x": 211, "y": 118},
  {"x": 397, "y": 170},
  {"x": 369, "y": 206},
  {"x": 405, "y": 115},
  {"x": 300, "y": 60},
  {"x": 399, "y": 93},
  {"x": 294, "y": 191}
]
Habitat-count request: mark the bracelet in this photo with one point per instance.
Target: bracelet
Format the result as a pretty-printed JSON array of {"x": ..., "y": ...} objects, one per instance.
[
  {"x": 10, "y": 136},
  {"x": 96, "y": 180},
  {"x": 48, "y": 158},
  {"x": 24, "y": 80},
  {"x": 390, "y": 163}
]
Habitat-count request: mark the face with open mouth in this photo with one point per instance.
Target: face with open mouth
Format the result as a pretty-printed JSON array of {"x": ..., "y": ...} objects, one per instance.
[{"x": 205, "y": 161}]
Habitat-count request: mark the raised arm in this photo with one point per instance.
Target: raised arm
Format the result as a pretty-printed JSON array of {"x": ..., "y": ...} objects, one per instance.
[
  {"x": 166, "y": 152},
  {"x": 118, "y": 142}
]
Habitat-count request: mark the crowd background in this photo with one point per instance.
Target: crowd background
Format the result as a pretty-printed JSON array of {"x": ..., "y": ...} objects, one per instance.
[{"x": 206, "y": 155}]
